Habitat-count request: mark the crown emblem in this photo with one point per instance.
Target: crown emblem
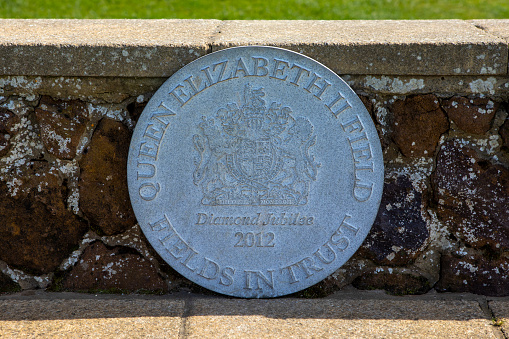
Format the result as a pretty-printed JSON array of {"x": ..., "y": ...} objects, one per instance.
[{"x": 254, "y": 154}]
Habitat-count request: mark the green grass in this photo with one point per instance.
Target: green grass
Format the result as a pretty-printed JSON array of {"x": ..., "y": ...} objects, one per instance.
[{"x": 256, "y": 9}]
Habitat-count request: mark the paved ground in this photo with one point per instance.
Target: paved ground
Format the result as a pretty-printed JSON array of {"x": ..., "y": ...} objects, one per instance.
[{"x": 346, "y": 314}]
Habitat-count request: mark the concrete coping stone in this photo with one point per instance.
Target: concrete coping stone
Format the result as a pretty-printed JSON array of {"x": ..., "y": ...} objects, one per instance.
[
  {"x": 499, "y": 28},
  {"x": 125, "y": 48},
  {"x": 157, "y": 48}
]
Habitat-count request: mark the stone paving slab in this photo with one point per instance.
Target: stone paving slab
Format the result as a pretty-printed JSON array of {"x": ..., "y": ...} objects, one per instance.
[
  {"x": 416, "y": 47},
  {"x": 346, "y": 315},
  {"x": 88, "y": 318},
  {"x": 337, "y": 319}
]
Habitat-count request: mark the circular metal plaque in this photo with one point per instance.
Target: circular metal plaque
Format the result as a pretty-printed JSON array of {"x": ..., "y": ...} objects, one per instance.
[{"x": 255, "y": 172}]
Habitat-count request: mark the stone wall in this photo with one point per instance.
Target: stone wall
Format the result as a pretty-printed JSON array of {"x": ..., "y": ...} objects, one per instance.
[{"x": 72, "y": 90}]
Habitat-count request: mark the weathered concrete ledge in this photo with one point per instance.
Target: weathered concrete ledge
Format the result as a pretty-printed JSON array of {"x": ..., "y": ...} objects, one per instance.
[{"x": 157, "y": 48}]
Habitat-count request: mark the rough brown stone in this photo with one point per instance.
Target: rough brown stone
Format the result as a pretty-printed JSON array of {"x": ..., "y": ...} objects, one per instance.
[
  {"x": 61, "y": 123},
  {"x": 5, "y": 144},
  {"x": 471, "y": 115},
  {"x": 370, "y": 108},
  {"x": 118, "y": 268},
  {"x": 7, "y": 285},
  {"x": 504, "y": 133},
  {"x": 394, "y": 283},
  {"x": 135, "y": 109},
  {"x": 367, "y": 103},
  {"x": 472, "y": 196},
  {"x": 321, "y": 289},
  {"x": 37, "y": 231},
  {"x": 7, "y": 122},
  {"x": 468, "y": 271},
  {"x": 104, "y": 198},
  {"x": 399, "y": 229},
  {"x": 418, "y": 124}
]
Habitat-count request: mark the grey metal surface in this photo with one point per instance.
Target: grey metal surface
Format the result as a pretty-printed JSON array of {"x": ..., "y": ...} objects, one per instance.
[{"x": 255, "y": 172}]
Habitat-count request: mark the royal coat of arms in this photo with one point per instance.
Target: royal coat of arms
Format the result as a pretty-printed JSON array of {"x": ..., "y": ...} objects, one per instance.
[{"x": 254, "y": 154}]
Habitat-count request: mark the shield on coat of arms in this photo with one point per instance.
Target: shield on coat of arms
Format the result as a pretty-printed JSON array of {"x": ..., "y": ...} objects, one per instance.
[{"x": 255, "y": 160}]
